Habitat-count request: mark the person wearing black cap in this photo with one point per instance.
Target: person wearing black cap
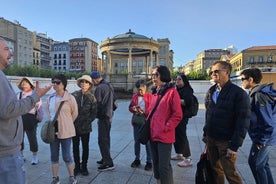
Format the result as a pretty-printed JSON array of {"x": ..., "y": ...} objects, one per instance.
[{"x": 104, "y": 94}]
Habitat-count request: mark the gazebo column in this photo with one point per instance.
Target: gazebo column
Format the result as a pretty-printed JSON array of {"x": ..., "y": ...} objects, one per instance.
[
  {"x": 129, "y": 71},
  {"x": 108, "y": 65},
  {"x": 157, "y": 59},
  {"x": 146, "y": 66},
  {"x": 102, "y": 63},
  {"x": 151, "y": 63}
]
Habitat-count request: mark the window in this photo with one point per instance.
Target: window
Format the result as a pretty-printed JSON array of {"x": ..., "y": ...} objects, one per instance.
[
  {"x": 261, "y": 59},
  {"x": 251, "y": 60},
  {"x": 269, "y": 59}
]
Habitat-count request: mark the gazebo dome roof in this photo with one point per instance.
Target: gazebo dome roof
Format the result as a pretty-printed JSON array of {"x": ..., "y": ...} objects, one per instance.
[{"x": 130, "y": 34}]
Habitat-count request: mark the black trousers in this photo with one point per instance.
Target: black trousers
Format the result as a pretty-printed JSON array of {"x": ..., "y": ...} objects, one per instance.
[
  {"x": 84, "y": 139},
  {"x": 181, "y": 145}
]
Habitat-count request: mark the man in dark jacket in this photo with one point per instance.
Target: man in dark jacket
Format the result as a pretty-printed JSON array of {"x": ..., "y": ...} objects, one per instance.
[
  {"x": 104, "y": 94},
  {"x": 227, "y": 121},
  {"x": 262, "y": 130}
]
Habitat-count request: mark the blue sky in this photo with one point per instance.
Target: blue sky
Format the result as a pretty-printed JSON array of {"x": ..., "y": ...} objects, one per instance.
[{"x": 191, "y": 26}]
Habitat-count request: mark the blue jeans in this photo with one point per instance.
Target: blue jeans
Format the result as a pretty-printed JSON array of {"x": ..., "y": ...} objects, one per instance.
[
  {"x": 258, "y": 162},
  {"x": 11, "y": 169},
  {"x": 65, "y": 148},
  {"x": 137, "y": 144}
]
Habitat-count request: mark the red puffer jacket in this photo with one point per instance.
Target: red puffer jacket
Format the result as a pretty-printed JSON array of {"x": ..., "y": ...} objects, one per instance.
[{"x": 166, "y": 117}]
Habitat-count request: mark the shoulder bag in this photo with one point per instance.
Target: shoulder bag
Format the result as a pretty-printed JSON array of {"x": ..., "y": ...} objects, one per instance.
[
  {"x": 48, "y": 132},
  {"x": 144, "y": 132}
]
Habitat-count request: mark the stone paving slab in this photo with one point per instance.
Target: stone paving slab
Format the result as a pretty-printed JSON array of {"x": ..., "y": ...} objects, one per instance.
[{"x": 122, "y": 152}]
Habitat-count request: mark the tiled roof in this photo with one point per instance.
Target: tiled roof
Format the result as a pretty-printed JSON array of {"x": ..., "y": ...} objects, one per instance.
[{"x": 269, "y": 47}]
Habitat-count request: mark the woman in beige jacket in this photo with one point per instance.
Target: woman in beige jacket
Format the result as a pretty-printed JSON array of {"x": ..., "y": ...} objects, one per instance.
[{"x": 65, "y": 129}]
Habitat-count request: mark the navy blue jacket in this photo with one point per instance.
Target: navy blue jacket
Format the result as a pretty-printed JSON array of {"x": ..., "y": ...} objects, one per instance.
[
  {"x": 262, "y": 130},
  {"x": 229, "y": 118}
]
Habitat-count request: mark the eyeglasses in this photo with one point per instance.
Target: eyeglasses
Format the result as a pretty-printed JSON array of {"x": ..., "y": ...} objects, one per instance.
[
  {"x": 56, "y": 82},
  {"x": 245, "y": 78},
  {"x": 154, "y": 75},
  {"x": 215, "y": 72},
  {"x": 84, "y": 81},
  {"x": 178, "y": 79}
]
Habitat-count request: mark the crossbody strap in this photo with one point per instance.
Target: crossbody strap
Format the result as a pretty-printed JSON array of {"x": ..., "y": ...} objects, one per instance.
[
  {"x": 56, "y": 115},
  {"x": 155, "y": 106}
]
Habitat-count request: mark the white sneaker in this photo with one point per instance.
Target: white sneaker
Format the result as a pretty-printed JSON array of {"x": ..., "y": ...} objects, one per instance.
[
  {"x": 34, "y": 160},
  {"x": 185, "y": 163},
  {"x": 177, "y": 157},
  {"x": 73, "y": 180}
]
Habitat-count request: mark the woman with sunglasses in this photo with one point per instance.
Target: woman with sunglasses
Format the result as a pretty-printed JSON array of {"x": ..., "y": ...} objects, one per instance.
[
  {"x": 163, "y": 122},
  {"x": 87, "y": 108},
  {"x": 65, "y": 129},
  {"x": 181, "y": 145}
]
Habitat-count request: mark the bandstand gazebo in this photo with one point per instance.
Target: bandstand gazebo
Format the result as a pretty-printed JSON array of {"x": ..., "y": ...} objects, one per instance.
[{"x": 129, "y": 53}]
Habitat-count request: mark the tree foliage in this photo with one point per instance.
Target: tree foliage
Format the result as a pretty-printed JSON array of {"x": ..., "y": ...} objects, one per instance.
[
  {"x": 35, "y": 71},
  {"x": 192, "y": 75}
]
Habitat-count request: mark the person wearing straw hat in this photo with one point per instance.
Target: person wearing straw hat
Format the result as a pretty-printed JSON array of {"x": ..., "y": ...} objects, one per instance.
[
  {"x": 26, "y": 87},
  {"x": 87, "y": 107}
]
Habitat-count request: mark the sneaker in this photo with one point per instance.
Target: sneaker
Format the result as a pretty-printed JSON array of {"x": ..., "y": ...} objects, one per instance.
[
  {"x": 106, "y": 167},
  {"x": 73, "y": 180},
  {"x": 100, "y": 162},
  {"x": 148, "y": 166},
  {"x": 177, "y": 157},
  {"x": 135, "y": 163},
  {"x": 34, "y": 160},
  {"x": 185, "y": 163},
  {"x": 55, "y": 180}
]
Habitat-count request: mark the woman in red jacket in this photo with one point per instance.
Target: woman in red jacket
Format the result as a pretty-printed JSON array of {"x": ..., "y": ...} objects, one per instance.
[
  {"x": 139, "y": 106},
  {"x": 163, "y": 122}
]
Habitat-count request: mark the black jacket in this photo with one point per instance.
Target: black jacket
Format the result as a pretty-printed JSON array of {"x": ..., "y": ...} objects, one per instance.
[
  {"x": 87, "y": 107},
  {"x": 186, "y": 94},
  {"x": 229, "y": 118}
]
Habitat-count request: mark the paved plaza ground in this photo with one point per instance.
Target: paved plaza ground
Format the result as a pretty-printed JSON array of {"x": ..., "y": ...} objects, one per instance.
[{"x": 123, "y": 154}]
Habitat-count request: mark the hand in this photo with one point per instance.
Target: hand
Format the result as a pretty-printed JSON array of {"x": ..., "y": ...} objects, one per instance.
[
  {"x": 259, "y": 146},
  {"x": 230, "y": 153},
  {"x": 41, "y": 91}
]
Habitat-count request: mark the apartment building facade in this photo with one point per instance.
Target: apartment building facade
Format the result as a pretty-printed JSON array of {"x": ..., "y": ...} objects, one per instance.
[
  {"x": 20, "y": 40},
  {"x": 60, "y": 57},
  {"x": 83, "y": 54}
]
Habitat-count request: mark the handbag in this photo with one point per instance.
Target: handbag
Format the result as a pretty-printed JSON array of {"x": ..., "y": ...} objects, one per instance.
[
  {"x": 39, "y": 114},
  {"x": 144, "y": 132},
  {"x": 204, "y": 172},
  {"x": 138, "y": 119},
  {"x": 48, "y": 132}
]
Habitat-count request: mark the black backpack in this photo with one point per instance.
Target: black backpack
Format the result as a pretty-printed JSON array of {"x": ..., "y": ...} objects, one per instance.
[{"x": 194, "y": 107}]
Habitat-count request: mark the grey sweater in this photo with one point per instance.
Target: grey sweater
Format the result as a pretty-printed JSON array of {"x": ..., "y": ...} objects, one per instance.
[{"x": 11, "y": 109}]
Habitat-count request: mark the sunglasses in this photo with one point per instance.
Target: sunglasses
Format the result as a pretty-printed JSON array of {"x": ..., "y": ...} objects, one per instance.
[
  {"x": 154, "y": 75},
  {"x": 215, "y": 72},
  {"x": 178, "y": 79},
  {"x": 56, "y": 82},
  {"x": 84, "y": 81},
  {"x": 245, "y": 78}
]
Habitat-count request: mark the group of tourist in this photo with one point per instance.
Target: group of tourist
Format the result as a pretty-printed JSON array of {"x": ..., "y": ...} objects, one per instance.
[{"x": 230, "y": 114}]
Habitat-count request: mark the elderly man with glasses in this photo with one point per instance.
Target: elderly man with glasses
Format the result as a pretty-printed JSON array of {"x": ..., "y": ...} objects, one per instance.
[{"x": 227, "y": 121}]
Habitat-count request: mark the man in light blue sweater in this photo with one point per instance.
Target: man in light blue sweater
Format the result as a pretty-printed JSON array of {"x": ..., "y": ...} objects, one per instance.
[{"x": 11, "y": 127}]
